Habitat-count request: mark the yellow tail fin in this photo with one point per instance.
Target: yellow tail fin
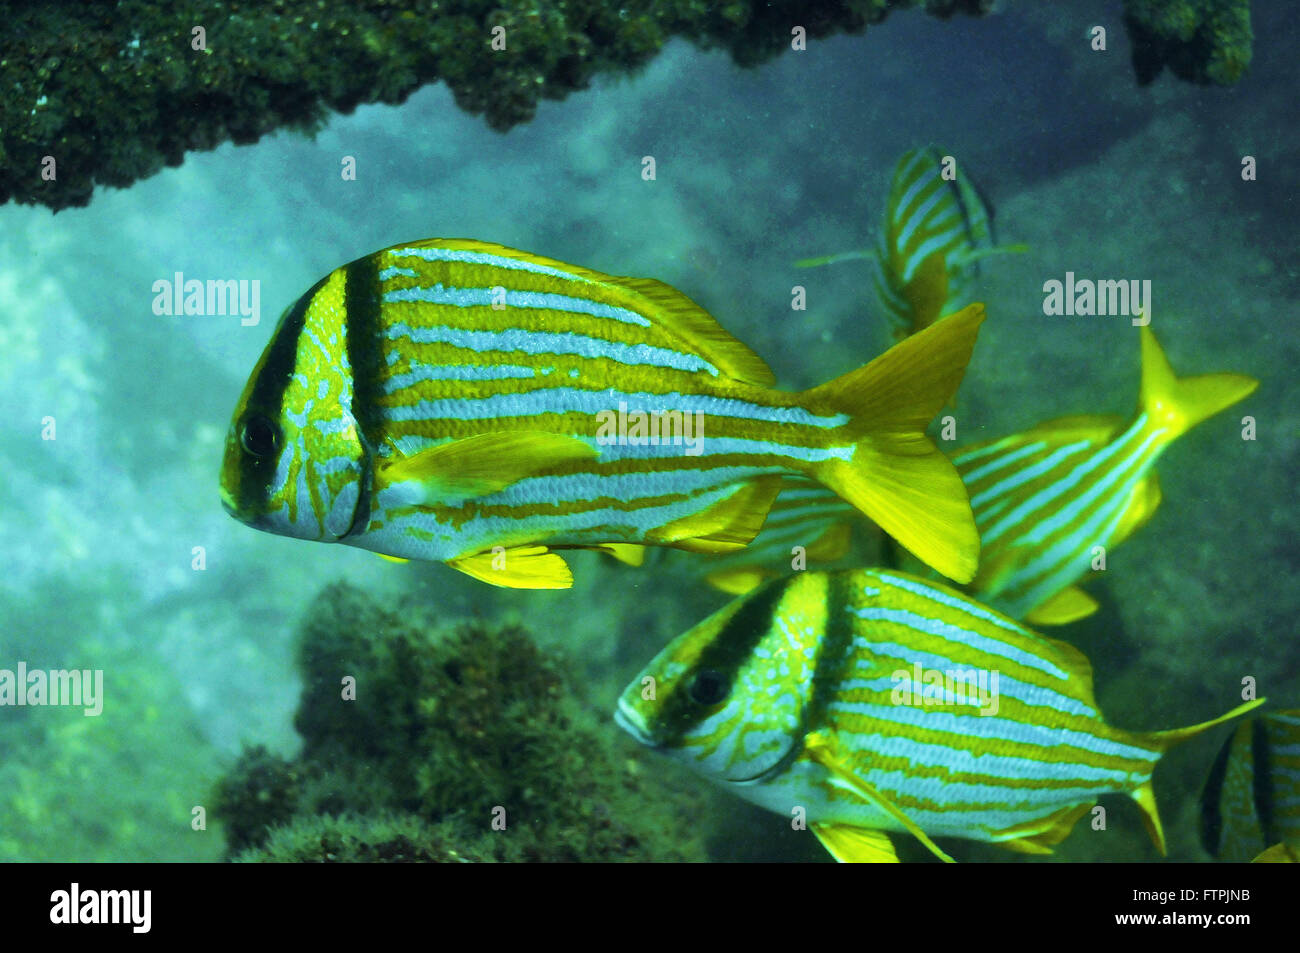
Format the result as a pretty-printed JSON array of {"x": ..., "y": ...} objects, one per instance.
[
  {"x": 897, "y": 475},
  {"x": 1179, "y": 404},
  {"x": 1145, "y": 795}
]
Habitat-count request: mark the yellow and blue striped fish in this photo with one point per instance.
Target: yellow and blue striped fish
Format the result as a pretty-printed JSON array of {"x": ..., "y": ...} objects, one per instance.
[
  {"x": 460, "y": 401},
  {"x": 1042, "y": 498},
  {"x": 868, "y": 701},
  {"x": 1251, "y": 800},
  {"x": 936, "y": 228}
]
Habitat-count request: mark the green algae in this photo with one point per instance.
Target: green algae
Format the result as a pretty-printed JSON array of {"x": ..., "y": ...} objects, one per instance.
[{"x": 468, "y": 743}]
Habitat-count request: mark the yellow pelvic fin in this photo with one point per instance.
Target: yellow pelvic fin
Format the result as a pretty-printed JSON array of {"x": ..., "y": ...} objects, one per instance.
[
  {"x": 1282, "y": 853},
  {"x": 855, "y": 845},
  {"x": 1145, "y": 795},
  {"x": 1040, "y": 836},
  {"x": 629, "y": 554},
  {"x": 1068, "y": 605},
  {"x": 727, "y": 525},
  {"x": 479, "y": 465},
  {"x": 1141, "y": 506},
  {"x": 519, "y": 567},
  {"x": 738, "y": 581},
  {"x": 822, "y": 749},
  {"x": 392, "y": 559},
  {"x": 897, "y": 475},
  {"x": 1179, "y": 404}
]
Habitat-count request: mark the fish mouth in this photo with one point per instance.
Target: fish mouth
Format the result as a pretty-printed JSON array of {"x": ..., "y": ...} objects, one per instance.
[{"x": 633, "y": 723}]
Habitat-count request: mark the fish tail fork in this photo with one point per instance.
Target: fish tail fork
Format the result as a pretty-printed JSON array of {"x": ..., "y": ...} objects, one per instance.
[{"x": 897, "y": 476}]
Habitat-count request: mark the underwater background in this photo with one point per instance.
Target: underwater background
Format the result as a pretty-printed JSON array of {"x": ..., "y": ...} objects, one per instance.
[{"x": 214, "y": 658}]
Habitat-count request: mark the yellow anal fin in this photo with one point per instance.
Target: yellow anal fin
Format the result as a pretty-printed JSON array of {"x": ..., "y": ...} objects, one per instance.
[
  {"x": 1040, "y": 836},
  {"x": 1068, "y": 605},
  {"x": 727, "y": 525},
  {"x": 1145, "y": 796},
  {"x": 855, "y": 845},
  {"x": 1140, "y": 508},
  {"x": 477, "y": 466},
  {"x": 822, "y": 749},
  {"x": 629, "y": 554},
  {"x": 1277, "y": 854},
  {"x": 738, "y": 581},
  {"x": 519, "y": 567}
]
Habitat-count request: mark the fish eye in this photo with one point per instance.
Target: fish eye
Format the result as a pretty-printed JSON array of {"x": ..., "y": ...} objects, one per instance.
[
  {"x": 259, "y": 436},
  {"x": 709, "y": 687}
]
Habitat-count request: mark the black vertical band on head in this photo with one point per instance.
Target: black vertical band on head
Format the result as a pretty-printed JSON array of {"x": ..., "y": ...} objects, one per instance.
[
  {"x": 266, "y": 399},
  {"x": 362, "y": 303},
  {"x": 833, "y": 652}
]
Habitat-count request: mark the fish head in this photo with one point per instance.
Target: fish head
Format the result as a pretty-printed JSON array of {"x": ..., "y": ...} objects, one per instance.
[
  {"x": 295, "y": 461},
  {"x": 730, "y": 697}
]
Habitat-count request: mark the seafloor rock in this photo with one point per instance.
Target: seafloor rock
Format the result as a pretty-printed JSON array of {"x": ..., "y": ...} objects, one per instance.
[{"x": 464, "y": 745}]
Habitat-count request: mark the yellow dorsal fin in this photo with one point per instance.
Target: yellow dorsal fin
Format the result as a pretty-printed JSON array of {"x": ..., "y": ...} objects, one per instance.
[
  {"x": 1095, "y": 427},
  {"x": 727, "y": 525},
  {"x": 672, "y": 310},
  {"x": 677, "y": 313},
  {"x": 897, "y": 475},
  {"x": 1068, "y": 605},
  {"x": 855, "y": 845},
  {"x": 1145, "y": 795},
  {"x": 1179, "y": 404},
  {"x": 1141, "y": 506},
  {"x": 519, "y": 567},
  {"x": 1040, "y": 836},
  {"x": 479, "y": 465},
  {"x": 822, "y": 749}
]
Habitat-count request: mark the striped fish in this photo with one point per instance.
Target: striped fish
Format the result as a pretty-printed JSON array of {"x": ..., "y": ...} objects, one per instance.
[
  {"x": 464, "y": 402},
  {"x": 1042, "y": 498},
  {"x": 1251, "y": 799},
  {"x": 867, "y": 701},
  {"x": 936, "y": 229}
]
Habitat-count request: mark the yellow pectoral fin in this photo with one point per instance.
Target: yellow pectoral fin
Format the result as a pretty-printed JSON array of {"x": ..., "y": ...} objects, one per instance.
[
  {"x": 477, "y": 466},
  {"x": 855, "y": 845},
  {"x": 1068, "y": 605},
  {"x": 822, "y": 750},
  {"x": 1040, "y": 836},
  {"x": 727, "y": 525},
  {"x": 520, "y": 567}
]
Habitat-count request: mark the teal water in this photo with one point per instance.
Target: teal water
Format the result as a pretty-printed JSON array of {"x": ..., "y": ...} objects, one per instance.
[{"x": 109, "y": 522}]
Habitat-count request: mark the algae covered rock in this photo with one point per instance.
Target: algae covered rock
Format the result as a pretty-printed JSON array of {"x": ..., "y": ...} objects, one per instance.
[{"x": 427, "y": 743}]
